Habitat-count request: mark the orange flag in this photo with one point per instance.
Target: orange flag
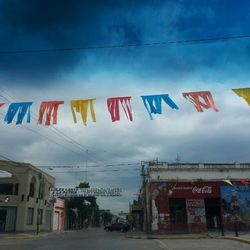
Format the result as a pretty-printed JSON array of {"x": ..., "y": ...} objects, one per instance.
[
  {"x": 51, "y": 108},
  {"x": 201, "y": 100}
]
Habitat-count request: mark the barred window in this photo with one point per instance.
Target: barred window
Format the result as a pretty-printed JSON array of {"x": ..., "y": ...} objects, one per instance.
[
  {"x": 40, "y": 216},
  {"x": 30, "y": 215}
]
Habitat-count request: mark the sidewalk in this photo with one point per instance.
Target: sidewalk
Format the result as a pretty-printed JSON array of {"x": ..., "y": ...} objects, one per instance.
[
  {"x": 243, "y": 236},
  {"x": 28, "y": 236},
  {"x": 23, "y": 236}
]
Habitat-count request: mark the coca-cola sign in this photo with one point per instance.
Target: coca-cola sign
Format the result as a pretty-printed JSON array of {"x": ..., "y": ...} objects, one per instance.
[{"x": 202, "y": 190}]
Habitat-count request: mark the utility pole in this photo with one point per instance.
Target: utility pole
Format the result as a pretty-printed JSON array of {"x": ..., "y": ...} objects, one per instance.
[
  {"x": 143, "y": 174},
  {"x": 86, "y": 165},
  {"x": 40, "y": 191}
]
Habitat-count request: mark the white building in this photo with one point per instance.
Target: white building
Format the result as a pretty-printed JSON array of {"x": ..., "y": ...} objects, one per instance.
[{"x": 24, "y": 198}]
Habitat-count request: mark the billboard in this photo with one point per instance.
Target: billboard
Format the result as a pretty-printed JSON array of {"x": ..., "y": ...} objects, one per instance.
[
  {"x": 236, "y": 203},
  {"x": 85, "y": 192}
]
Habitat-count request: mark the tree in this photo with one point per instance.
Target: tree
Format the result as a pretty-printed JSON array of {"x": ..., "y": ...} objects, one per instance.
[
  {"x": 87, "y": 210},
  {"x": 83, "y": 185}
]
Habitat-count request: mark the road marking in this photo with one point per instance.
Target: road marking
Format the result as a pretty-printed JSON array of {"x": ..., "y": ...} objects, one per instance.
[{"x": 163, "y": 245}]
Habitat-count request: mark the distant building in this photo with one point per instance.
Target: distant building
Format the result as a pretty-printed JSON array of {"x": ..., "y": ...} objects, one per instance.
[
  {"x": 24, "y": 198},
  {"x": 59, "y": 214},
  {"x": 182, "y": 197}
]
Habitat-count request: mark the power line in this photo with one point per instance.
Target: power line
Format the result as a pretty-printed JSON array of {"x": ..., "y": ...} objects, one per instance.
[
  {"x": 94, "y": 166},
  {"x": 47, "y": 138},
  {"x": 56, "y": 131},
  {"x": 61, "y": 134},
  {"x": 5, "y": 158},
  {"x": 100, "y": 171},
  {"x": 62, "y": 145},
  {"x": 117, "y": 46}
]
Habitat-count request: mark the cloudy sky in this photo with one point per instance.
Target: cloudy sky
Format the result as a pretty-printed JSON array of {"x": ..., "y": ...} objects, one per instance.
[{"x": 128, "y": 71}]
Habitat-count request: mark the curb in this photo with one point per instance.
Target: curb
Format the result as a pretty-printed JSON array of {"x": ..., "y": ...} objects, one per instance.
[
  {"x": 21, "y": 238},
  {"x": 237, "y": 239},
  {"x": 151, "y": 237}
]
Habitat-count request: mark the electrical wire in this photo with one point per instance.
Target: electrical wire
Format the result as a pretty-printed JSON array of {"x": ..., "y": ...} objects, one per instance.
[
  {"x": 61, "y": 134},
  {"x": 117, "y": 46},
  {"x": 51, "y": 167},
  {"x": 83, "y": 171},
  {"x": 94, "y": 166}
]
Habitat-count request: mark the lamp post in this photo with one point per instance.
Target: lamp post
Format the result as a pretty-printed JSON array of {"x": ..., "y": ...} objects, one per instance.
[{"x": 40, "y": 196}]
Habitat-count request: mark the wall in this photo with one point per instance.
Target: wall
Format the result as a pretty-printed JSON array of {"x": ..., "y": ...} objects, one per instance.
[{"x": 198, "y": 171}]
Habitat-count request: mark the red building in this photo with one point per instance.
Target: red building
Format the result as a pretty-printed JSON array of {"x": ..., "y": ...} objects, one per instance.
[
  {"x": 195, "y": 197},
  {"x": 185, "y": 206}
]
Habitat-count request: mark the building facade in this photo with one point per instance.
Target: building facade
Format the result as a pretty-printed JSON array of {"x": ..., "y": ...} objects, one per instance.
[
  {"x": 24, "y": 198},
  {"x": 195, "y": 197}
]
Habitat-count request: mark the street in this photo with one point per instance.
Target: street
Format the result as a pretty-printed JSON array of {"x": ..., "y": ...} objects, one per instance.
[{"x": 98, "y": 239}]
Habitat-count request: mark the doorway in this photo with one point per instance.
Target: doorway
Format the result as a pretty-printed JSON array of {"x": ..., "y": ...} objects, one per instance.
[
  {"x": 3, "y": 214},
  {"x": 178, "y": 214},
  {"x": 213, "y": 213}
]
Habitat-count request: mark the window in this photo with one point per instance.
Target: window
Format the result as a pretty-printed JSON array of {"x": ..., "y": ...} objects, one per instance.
[
  {"x": 6, "y": 188},
  {"x": 16, "y": 189},
  {"x": 41, "y": 189},
  {"x": 32, "y": 187},
  {"x": 30, "y": 215},
  {"x": 39, "y": 216}
]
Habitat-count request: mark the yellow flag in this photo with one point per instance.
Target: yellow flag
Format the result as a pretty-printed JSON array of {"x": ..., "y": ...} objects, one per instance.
[
  {"x": 82, "y": 107},
  {"x": 244, "y": 93}
]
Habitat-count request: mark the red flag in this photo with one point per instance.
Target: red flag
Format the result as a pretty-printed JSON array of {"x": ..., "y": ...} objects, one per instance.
[
  {"x": 194, "y": 97},
  {"x": 51, "y": 108},
  {"x": 1, "y": 104},
  {"x": 113, "y": 107}
]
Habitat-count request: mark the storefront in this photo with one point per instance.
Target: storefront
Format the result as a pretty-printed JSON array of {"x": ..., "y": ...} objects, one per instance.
[{"x": 185, "y": 206}]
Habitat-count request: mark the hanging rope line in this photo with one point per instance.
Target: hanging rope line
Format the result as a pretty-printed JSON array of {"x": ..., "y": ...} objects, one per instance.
[{"x": 117, "y": 46}]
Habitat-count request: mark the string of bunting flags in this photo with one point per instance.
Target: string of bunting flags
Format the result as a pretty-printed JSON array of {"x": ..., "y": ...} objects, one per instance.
[{"x": 153, "y": 104}]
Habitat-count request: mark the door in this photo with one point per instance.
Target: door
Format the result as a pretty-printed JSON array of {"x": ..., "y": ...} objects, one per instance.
[
  {"x": 213, "y": 213},
  {"x": 178, "y": 214},
  {"x": 3, "y": 214},
  {"x": 55, "y": 221},
  {"x": 10, "y": 222},
  {"x": 48, "y": 220}
]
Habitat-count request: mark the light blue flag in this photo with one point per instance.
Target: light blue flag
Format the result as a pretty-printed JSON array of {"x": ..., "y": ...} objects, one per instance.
[
  {"x": 19, "y": 108},
  {"x": 153, "y": 103}
]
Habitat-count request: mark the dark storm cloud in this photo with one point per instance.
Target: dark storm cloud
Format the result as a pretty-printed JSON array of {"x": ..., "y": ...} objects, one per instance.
[
  {"x": 48, "y": 24},
  {"x": 55, "y": 24}
]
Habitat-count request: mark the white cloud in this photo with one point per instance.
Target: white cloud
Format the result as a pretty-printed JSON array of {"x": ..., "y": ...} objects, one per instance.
[{"x": 207, "y": 136}]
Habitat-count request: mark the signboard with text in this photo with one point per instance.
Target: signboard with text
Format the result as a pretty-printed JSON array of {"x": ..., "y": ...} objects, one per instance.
[{"x": 85, "y": 192}]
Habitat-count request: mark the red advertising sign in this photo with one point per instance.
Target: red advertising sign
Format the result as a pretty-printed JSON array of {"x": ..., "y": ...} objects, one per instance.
[{"x": 192, "y": 189}]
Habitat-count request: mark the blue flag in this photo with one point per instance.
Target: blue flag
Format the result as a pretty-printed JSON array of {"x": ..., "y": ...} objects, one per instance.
[
  {"x": 153, "y": 103},
  {"x": 19, "y": 108}
]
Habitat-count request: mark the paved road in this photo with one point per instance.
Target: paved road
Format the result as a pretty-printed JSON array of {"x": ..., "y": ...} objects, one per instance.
[{"x": 97, "y": 239}]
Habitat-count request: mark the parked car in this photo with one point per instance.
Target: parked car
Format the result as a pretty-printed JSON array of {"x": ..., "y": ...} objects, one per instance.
[{"x": 117, "y": 226}]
